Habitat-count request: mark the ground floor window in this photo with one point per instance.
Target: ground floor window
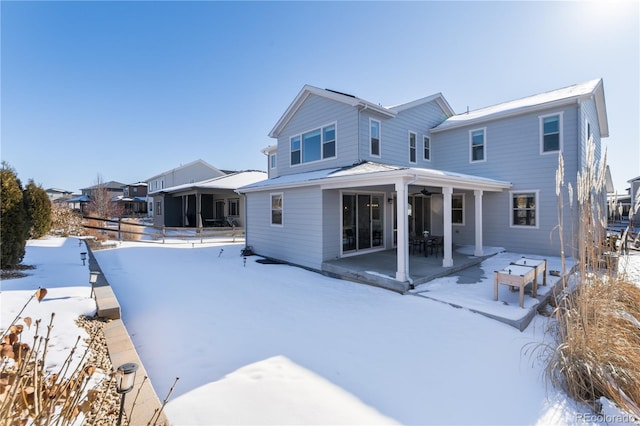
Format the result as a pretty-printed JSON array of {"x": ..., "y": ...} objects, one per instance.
[
  {"x": 524, "y": 208},
  {"x": 234, "y": 207},
  {"x": 158, "y": 208},
  {"x": 457, "y": 209},
  {"x": 276, "y": 209}
]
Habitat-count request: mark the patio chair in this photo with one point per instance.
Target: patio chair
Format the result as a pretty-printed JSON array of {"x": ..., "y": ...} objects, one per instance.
[
  {"x": 435, "y": 245},
  {"x": 415, "y": 242}
]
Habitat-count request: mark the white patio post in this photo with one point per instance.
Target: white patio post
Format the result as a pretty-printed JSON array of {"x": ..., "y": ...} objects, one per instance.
[
  {"x": 478, "y": 207},
  {"x": 198, "y": 208},
  {"x": 447, "y": 260},
  {"x": 402, "y": 274}
]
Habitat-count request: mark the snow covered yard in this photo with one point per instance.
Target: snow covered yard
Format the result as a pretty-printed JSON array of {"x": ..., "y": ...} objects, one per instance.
[
  {"x": 274, "y": 344},
  {"x": 270, "y": 344}
]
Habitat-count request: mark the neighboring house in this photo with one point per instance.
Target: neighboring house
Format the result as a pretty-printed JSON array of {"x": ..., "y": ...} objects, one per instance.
[
  {"x": 133, "y": 200},
  {"x": 195, "y": 171},
  {"x": 112, "y": 188},
  {"x": 348, "y": 176},
  {"x": 58, "y": 194},
  {"x": 634, "y": 201},
  {"x": 207, "y": 203}
]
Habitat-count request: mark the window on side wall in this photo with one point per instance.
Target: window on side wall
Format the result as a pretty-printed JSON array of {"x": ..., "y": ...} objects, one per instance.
[
  {"x": 427, "y": 148},
  {"x": 234, "y": 207},
  {"x": 550, "y": 133},
  {"x": 276, "y": 209},
  {"x": 457, "y": 209},
  {"x": 315, "y": 145},
  {"x": 374, "y": 136},
  {"x": 158, "y": 208},
  {"x": 412, "y": 147},
  {"x": 524, "y": 209},
  {"x": 272, "y": 161},
  {"x": 477, "y": 145}
]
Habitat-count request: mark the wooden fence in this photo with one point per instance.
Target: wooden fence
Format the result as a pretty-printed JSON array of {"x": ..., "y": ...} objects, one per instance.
[{"x": 121, "y": 229}]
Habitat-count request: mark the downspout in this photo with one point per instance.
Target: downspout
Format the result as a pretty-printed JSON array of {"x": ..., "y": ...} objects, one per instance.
[
  {"x": 405, "y": 231},
  {"x": 361, "y": 107}
]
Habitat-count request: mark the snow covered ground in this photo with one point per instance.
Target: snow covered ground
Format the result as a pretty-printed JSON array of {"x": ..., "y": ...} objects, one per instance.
[{"x": 274, "y": 344}]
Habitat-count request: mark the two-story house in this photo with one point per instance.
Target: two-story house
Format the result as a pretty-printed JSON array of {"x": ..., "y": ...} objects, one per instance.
[
  {"x": 349, "y": 177},
  {"x": 133, "y": 200},
  {"x": 192, "y": 172}
]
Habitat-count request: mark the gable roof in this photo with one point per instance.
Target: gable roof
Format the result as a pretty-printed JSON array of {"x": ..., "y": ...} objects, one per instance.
[
  {"x": 231, "y": 181},
  {"x": 564, "y": 96},
  {"x": 184, "y": 166},
  {"x": 353, "y": 101}
]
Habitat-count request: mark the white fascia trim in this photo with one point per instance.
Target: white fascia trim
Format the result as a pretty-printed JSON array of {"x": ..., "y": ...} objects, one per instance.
[{"x": 505, "y": 114}]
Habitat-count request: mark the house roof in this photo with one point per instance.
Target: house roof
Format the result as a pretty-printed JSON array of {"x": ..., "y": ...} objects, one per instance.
[
  {"x": 231, "y": 181},
  {"x": 79, "y": 199},
  {"x": 112, "y": 184},
  {"x": 184, "y": 166},
  {"x": 369, "y": 173},
  {"x": 550, "y": 99},
  {"x": 353, "y": 101}
]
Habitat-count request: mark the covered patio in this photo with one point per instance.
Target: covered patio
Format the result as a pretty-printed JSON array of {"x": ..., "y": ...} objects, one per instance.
[{"x": 379, "y": 268}]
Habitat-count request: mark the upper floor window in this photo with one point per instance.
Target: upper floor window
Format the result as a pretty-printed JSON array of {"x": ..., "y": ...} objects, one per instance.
[
  {"x": 374, "y": 136},
  {"x": 276, "y": 209},
  {"x": 412, "y": 147},
  {"x": 551, "y": 133},
  {"x": 125, "y": 192},
  {"x": 272, "y": 161},
  {"x": 427, "y": 147},
  {"x": 524, "y": 208},
  {"x": 477, "y": 144},
  {"x": 318, "y": 144},
  {"x": 457, "y": 209},
  {"x": 589, "y": 134}
]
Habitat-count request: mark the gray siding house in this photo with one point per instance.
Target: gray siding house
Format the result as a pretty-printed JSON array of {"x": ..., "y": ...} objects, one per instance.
[{"x": 348, "y": 177}]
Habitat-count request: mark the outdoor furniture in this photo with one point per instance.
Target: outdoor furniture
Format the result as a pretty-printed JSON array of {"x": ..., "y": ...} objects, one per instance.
[
  {"x": 516, "y": 276},
  {"x": 540, "y": 265},
  {"x": 415, "y": 242},
  {"x": 434, "y": 243}
]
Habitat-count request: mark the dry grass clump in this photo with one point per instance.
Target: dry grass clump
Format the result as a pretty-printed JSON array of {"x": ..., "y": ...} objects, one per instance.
[
  {"x": 598, "y": 330},
  {"x": 596, "y": 321}
]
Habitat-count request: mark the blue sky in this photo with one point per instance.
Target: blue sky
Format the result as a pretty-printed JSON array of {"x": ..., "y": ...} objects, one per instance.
[{"x": 126, "y": 90}]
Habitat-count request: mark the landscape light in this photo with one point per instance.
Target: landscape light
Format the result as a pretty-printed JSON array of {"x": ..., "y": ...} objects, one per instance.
[
  {"x": 125, "y": 379},
  {"x": 83, "y": 257}
]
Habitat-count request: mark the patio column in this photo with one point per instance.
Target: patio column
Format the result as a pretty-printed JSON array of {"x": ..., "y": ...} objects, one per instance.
[
  {"x": 402, "y": 273},
  {"x": 478, "y": 206},
  {"x": 447, "y": 260},
  {"x": 198, "y": 210}
]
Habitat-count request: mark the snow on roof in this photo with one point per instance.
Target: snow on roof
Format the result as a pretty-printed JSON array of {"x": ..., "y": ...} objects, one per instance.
[
  {"x": 369, "y": 169},
  {"x": 522, "y": 105},
  {"x": 231, "y": 181}
]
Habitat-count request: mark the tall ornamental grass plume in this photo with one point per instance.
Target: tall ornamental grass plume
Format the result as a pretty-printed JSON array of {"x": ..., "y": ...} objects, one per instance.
[{"x": 595, "y": 324}]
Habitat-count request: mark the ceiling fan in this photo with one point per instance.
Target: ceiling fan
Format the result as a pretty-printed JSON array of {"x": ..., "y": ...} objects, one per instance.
[{"x": 425, "y": 192}]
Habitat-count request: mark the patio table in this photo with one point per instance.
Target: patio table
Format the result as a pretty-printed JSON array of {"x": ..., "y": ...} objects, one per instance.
[{"x": 516, "y": 276}]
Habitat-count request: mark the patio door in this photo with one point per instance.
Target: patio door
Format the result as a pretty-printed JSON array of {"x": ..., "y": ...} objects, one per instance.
[{"x": 362, "y": 221}]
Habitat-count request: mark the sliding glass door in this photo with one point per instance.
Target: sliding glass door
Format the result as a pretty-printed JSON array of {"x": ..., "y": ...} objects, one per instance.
[{"x": 362, "y": 221}]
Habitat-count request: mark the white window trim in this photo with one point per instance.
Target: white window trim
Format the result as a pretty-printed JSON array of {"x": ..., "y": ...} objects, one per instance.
[
  {"x": 541, "y": 132},
  {"x": 302, "y": 162},
  {"x": 463, "y": 209},
  {"x": 484, "y": 145},
  {"x": 423, "y": 147},
  {"x": 537, "y": 194},
  {"x": 415, "y": 139},
  {"x": 271, "y": 195},
  {"x": 379, "y": 138}
]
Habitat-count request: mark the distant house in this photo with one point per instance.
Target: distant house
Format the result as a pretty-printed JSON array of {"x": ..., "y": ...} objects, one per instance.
[
  {"x": 634, "y": 200},
  {"x": 195, "y": 171},
  {"x": 133, "y": 200},
  {"x": 57, "y": 194},
  {"x": 348, "y": 177},
  {"x": 208, "y": 203}
]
